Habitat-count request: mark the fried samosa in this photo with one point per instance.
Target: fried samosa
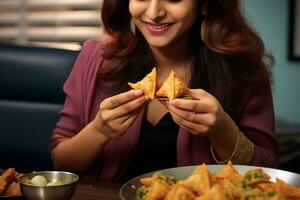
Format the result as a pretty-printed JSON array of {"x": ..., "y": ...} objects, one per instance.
[
  {"x": 172, "y": 87},
  {"x": 179, "y": 192},
  {"x": 147, "y": 84},
  {"x": 200, "y": 181},
  {"x": 230, "y": 173}
]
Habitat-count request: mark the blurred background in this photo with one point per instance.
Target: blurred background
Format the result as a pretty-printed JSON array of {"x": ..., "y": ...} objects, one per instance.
[
  {"x": 55, "y": 23},
  {"x": 66, "y": 24}
]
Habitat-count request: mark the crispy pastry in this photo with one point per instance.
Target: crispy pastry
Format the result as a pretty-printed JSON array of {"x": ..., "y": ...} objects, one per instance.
[
  {"x": 228, "y": 184},
  {"x": 179, "y": 192},
  {"x": 172, "y": 87},
  {"x": 215, "y": 193},
  {"x": 13, "y": 190},
  {"x": 147, "y": 84},
  {"x": 229, "y": 173},
  {"x": 158, "y": 190},
  {"x": 6, "y": 179},
  {"x": 200, "y": 181},
  {"x": 8, "y": 183}
]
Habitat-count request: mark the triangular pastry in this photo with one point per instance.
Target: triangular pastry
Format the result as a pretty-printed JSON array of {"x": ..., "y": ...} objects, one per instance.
[
  {"x": 147, "y": 84},
  {"x": 172, "y": 87}
]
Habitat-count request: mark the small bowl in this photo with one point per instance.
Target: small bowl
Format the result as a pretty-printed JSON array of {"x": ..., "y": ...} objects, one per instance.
[{"x": 64, "y": 191}]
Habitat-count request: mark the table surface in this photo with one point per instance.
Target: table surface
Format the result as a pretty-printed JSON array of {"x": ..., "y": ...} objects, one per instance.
[{"x": 97, "y": 190}]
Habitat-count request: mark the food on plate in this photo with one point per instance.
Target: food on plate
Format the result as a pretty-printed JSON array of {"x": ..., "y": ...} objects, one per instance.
[
  {"x": 147, "y": 84},
  {"x": 156, "y": 187},
  {"x": 9, "y": 185},
  {"x": 171, "y": 88},
  {"x": 228, "y": 184}
]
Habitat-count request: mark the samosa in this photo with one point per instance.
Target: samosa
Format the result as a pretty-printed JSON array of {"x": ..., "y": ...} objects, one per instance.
[
  {"x": 172, "y": 87},
  {"x": 147, "y": 84}
]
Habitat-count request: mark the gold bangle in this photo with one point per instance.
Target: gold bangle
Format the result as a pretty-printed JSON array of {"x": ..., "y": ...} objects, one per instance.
[
  {"x": 245, "y": 149},
  {"x": 243, "y": 146}
]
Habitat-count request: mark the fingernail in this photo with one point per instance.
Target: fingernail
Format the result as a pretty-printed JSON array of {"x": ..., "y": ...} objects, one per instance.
[
  {"x": 172, "y": 102},
  {"x": 138, "y": 93}
]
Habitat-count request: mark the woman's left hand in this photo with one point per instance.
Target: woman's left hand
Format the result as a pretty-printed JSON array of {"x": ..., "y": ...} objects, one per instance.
[{"x": 202, "y": 115}]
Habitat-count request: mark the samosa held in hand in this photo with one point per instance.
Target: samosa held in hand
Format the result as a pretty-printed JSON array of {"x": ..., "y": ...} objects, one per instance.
[
  {"x": 147, "y": 84},
  {"x": 172, "y": 87}
]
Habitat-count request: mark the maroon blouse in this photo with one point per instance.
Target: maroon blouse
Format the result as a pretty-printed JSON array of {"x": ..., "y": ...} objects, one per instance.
[{"x": 81, "y": 106}]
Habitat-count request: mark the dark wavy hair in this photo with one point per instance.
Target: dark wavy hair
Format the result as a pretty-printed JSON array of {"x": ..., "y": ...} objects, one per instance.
[{"x": 230, "y": 64}]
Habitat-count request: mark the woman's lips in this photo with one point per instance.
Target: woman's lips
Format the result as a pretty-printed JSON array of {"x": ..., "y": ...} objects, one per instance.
[{"x": 158, "y": 29}]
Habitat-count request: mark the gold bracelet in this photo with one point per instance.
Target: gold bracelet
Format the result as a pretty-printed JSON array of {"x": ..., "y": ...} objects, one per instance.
[
  {"x": 243, "y": 146},
  {"x": 244, "y": 149}
]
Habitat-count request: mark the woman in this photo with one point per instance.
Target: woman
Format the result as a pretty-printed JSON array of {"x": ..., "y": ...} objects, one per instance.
[{"x": 118, "y": 133}]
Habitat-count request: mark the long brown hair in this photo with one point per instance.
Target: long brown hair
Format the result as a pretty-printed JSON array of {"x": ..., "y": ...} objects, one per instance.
[{"x": 229, "y": 63}]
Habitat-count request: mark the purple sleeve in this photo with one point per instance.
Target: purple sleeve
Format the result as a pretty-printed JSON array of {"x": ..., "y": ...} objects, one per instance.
[
  {"x": 257, "y": 123},
  {"x": 71, "y": 117}
]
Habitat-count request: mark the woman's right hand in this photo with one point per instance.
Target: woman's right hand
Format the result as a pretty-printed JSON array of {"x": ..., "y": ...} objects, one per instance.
[{"x": 118, "y": 112}]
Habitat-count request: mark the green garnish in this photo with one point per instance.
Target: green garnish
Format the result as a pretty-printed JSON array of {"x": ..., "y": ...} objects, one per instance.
[
  {"x": 186, "y": 97},
  {"x": 141, "y": 193},
  {"x": 168, "y": 179}
]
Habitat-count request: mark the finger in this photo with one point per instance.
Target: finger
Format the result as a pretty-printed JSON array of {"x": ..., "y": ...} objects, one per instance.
[
  {"x": 117, "y": 124},
  {"x": 178, "y": 122},
  {"x": 198, "y": 93},
  {"x": 199, "y": 106},
  {"x": 125, "y": 125},
  {"x": 122, "y": 119},
  {"x": 207, "y": 119},
  {"x": 186, "y": 114},
  {"x": 196, "y": 129},
  {"x": 191, "y": 125},
  {"x": 127, "y": 108},
  {"x": 125, "y": 121},
  {"x": 120, "y": 99}
]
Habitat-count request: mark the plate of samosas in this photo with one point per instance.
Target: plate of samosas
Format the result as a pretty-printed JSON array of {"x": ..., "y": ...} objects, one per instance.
[
  {"x": 214, "y": 182},
  {"x": 9, "y": 184},
  {"x": 170, "y": 89}
]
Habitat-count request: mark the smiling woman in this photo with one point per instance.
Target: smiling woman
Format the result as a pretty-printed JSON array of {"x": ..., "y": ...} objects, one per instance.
[{"x": 211, "y": 49}]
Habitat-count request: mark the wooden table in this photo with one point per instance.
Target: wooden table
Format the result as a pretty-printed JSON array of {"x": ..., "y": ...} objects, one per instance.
[{"x": 97, "y": 190}]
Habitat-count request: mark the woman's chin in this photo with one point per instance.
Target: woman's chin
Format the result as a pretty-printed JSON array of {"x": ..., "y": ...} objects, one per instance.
[{"x": 158, "y": 43}]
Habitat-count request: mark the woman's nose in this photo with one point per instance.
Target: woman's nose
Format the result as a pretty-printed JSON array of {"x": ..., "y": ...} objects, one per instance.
[{"x": 155, "y": 10}]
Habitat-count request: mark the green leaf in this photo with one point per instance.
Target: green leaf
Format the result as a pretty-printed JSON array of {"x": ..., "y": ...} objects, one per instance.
[{"x": 186, "y": 97}]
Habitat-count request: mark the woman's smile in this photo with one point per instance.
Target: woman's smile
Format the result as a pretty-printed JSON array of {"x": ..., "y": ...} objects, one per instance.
[
  {"x": 158, "y": 28},
  {"x": 162, "y": 22}
]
